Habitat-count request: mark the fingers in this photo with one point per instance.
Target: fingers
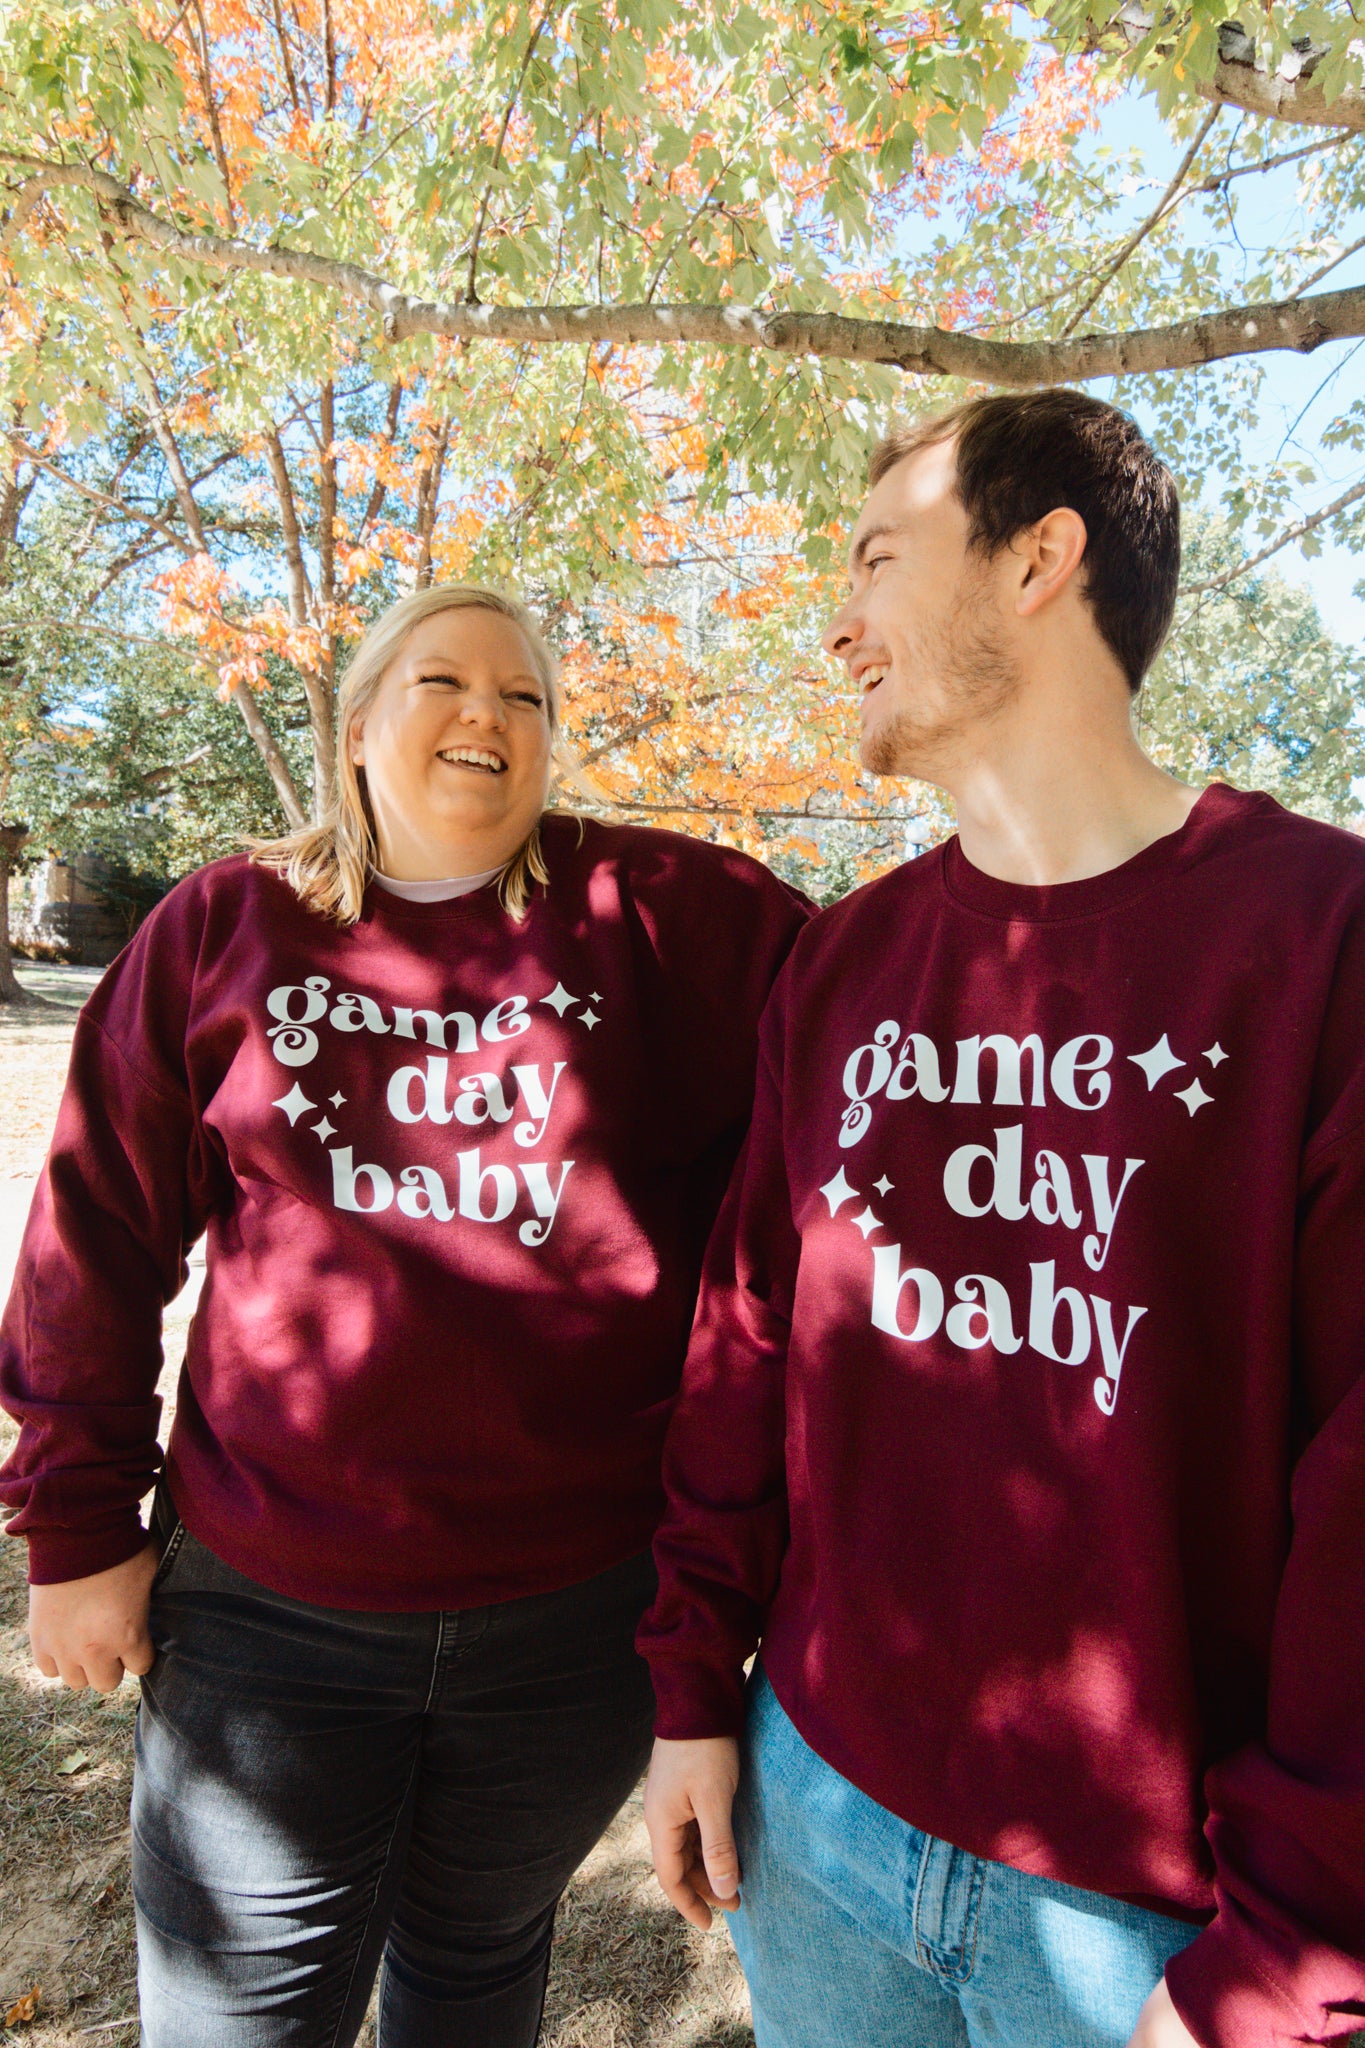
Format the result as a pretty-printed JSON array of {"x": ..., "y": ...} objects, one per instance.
[
  {"x": 140, "y": 1656},
  {"x": 672, "y": 1846},
  {"x": 719, "y": 1855}
]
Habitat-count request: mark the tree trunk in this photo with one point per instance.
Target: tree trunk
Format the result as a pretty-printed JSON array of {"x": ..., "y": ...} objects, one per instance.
[{"x": 13, "y": 839}]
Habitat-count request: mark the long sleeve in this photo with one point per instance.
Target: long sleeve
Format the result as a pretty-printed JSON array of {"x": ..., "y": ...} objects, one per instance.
[
  {"x": 80, "y": 1345},
  {"x": 1284, "y": 1959},
  {"x": 720, "y": 1547}
]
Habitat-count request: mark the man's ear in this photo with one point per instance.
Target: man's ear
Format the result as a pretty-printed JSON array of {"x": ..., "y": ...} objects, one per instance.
[{"x": 1050, "y": 554}]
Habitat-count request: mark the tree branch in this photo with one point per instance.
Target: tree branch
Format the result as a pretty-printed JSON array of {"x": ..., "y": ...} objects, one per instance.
[
  {"x": 1239, "y": 79},
  {"x": 1298, "y": 324},
  {"x": 1140, "y": 234},
  {"x": 1284, "y": 540},
  {"x": 471, "y": 291},
  {"x": 316, "y": 687}
]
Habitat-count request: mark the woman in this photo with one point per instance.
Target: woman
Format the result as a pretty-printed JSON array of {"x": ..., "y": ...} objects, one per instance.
[{"x": 452, "y": 1086}]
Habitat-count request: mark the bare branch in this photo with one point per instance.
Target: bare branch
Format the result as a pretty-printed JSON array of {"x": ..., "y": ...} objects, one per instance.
[
  {"x": 1342, "y": 256},
  {"x": 901, "y": 818},
  {"x": 1269, "y": 163},
  {"x": 84, "y": 626},
  {"x": 471, "y": 291},
  {"x": 1284, "y": 540},
  {"x": 267, "y": 746},
  {"x": 317, "y": 687},
  {"x": 379, "y": 490},
  {"x": 1140, "y": 234},
  {"x": 26, "y": 199},
  {"x": 1300, "y": 324}
]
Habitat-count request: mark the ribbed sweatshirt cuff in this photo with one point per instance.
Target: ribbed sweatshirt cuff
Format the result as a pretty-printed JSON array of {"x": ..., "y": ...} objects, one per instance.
[
  {"x": 55, "y": 1555},
  {"x": 1226, "y": 1998},
  {"x": 695, "y": 1701}
]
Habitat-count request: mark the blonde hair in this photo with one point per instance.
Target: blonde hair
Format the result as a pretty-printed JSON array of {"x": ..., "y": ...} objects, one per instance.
[{"x": 328, "y": 865}]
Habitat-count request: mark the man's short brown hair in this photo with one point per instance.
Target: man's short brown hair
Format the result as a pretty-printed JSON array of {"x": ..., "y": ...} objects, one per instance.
[{"x": 1023, "y": 455}]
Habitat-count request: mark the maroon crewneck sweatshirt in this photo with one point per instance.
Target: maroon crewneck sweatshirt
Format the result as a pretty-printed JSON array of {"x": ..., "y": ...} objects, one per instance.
[
  {"x": 1024, "y": 1416},
  {"x": 456, "y": 1174}
]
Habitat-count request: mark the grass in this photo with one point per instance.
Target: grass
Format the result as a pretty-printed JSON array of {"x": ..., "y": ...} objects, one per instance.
[{"x": 627, "y": 1972}]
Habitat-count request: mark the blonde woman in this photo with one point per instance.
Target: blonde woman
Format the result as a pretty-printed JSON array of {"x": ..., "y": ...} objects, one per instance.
[{"x": 452, "y": 1086}]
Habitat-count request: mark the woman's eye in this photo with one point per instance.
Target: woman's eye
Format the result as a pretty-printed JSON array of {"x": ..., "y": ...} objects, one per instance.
[{"x": 527, "y": 697}]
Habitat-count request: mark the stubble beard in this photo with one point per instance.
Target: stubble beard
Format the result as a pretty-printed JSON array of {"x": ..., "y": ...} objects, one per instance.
[{"x": 979, "y": 679}]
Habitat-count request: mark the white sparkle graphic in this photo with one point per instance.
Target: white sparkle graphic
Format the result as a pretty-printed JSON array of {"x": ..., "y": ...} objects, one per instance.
[
  {"x": 1194, "y": 1097},
  {"x": 594, "y": 996},
  {"x": 324, "y": 1130},
  {"x": 589, "y": 1017},
  {"x": 338, "y": 1101},
  {"x": 559, "y": 999},
  {"x": 883, "y": 1186},
  {"x": 1156, "y": 1061},
  {"x": 837, "y": 1191},
  {"x": 294, "y": 1104},
  {"x": 867, "y": 1222},
  {"x": 1215, "y": 1055}
]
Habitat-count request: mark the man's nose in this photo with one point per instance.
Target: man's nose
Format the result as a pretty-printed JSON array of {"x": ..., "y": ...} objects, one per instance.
[{"x": 842, "y": 634}]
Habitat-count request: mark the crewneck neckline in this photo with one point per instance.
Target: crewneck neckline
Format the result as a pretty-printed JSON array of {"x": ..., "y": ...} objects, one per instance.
[
  {"x": 446, "y": 890},
  {"x": 1027, "y": 903}
]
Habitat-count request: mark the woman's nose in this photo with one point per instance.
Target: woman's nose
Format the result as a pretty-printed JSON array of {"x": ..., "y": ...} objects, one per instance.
[{"x": 483, "y": 708}]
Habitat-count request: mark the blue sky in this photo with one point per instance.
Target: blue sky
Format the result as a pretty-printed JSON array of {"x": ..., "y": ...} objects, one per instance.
[{"x": 1300, "y": 394}]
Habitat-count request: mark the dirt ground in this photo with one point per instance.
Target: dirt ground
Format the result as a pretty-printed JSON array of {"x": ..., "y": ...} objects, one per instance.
[{"x": 627, "y": 1972}]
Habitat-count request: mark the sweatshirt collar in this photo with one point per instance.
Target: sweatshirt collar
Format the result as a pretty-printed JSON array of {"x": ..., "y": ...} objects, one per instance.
[{"x": 1021, "y": 902}]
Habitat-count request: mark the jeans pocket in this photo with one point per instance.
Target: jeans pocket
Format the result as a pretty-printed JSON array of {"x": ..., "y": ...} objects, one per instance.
[{"x": 168, "y": 1528}]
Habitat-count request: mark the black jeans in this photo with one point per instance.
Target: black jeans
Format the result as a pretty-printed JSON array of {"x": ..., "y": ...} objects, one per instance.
[{"x": 319, "y": 1791}]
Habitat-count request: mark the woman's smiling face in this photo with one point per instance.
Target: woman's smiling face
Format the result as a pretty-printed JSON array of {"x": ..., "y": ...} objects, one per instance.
[{"x": 455, "y": 747}]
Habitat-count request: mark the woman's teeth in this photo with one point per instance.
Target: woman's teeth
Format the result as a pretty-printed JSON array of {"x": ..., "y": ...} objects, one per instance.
[{"x": 474, "y": 757}]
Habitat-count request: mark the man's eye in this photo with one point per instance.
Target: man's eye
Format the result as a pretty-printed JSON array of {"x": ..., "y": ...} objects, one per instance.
[{"x": 875, "y": 561}]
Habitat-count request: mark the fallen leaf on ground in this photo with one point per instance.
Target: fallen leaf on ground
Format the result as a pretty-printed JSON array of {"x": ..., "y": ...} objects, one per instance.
[
  {"x": 77, "y": 1761},
  {"x": 24, "y": 2009}
]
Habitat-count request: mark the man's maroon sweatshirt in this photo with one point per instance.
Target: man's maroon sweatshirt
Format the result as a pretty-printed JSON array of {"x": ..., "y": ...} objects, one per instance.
[
  {"x": 456, "y": 1174},
  {"x": 1024, "y": 1417}
]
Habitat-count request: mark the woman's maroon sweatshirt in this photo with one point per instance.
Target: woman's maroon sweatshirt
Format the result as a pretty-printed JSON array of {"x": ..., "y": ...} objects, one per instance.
[
  {"x": 1024, "y": 1417},
  {"x": 456, "y": 1174}
]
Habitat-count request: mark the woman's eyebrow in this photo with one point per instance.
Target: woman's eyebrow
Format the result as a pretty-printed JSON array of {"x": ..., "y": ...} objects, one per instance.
[{"x": 428, "y": 663}]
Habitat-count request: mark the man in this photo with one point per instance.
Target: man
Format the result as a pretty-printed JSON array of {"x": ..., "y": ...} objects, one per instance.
[{"x": 1024, "y": 1419}]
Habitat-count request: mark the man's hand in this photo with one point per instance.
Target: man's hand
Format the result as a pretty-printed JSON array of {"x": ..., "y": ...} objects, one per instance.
[
  {"x": 90, "y": 1631},
  {"x": 1160, "y": 2025},
  {"x": 688, "y": 1797}
]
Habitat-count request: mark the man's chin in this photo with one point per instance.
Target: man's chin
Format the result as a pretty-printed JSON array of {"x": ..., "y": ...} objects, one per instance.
[{"x": 892, "y": 748}]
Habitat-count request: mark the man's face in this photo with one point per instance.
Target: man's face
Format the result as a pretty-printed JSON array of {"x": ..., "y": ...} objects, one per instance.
[{"x": 923, "y": 630}]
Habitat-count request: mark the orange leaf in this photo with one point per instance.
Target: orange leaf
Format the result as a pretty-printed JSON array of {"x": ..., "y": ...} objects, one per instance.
[{"x": 24, "y": 2009}]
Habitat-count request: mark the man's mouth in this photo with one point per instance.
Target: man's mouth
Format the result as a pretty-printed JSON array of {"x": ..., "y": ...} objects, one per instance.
[
  {"x": 870, "y": 676},
  {"x": 480, "y": 759}
]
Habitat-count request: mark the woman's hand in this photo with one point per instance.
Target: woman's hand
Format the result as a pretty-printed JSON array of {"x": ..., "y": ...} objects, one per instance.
[
  {"x": 90, "y": 1631},
  {"x": 688, "y": 1797},
  {"x": 1160, "y": 2025}
]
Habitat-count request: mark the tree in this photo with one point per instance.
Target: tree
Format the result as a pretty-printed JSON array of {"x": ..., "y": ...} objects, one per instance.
[
  {"x": 589, "y": 295},
  {"x": 110, "y": 743}
]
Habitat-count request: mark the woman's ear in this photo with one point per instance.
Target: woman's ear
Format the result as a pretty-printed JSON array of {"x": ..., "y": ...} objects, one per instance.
[{"x": 355, "y": 743}]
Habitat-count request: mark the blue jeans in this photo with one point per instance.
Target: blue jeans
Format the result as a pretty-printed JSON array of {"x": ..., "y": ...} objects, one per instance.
[
  {"x": 856, "y": 1929},
  {"x": 318, "y": 1792}
]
